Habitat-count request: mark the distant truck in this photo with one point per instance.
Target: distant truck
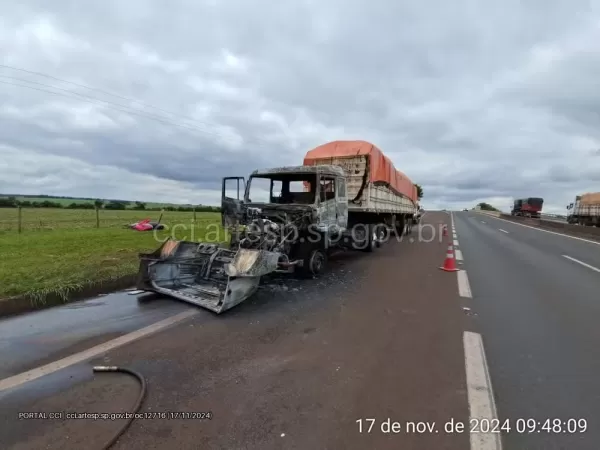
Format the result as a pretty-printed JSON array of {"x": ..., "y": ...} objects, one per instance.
[
  {"x": 585, "y": 210},
  {"x": 346, "y": 196},
  {"x": 528, "y": 207}
]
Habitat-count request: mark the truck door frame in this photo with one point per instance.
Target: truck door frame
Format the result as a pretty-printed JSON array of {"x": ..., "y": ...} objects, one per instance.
[{"x": 231, "y": 208}]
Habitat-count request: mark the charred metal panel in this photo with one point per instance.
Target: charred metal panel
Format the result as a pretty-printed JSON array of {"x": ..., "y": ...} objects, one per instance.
[
  {"x": 252, "y": 263},
  {"x": 197, "y": 273}
]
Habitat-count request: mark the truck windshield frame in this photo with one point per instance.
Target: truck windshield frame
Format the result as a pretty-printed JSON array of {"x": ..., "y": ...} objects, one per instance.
[{"x": 278, "y": 189}]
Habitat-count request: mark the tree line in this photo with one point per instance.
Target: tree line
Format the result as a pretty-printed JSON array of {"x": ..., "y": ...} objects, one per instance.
[
  {"x": 13, "y": 202},
  {"x": 487, "y": 207}
]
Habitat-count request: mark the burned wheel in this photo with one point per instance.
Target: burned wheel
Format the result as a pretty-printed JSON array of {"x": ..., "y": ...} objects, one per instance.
[
  {"x": 315, "y": 261},
  {"x": 381, "y": 235},
  {"x": 371, "y": 239}
]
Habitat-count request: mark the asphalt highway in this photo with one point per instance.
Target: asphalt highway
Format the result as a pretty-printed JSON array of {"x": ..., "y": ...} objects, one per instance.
[
  {"x": 330, "y": 363},
  {"x": 536, "y": 296},
  {"x": 26, "y": 341},
  {"x": 510, "y": 339}
]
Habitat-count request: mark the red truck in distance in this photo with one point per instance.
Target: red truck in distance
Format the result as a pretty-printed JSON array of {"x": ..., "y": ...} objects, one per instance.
[{"x": 528, "y": 207}]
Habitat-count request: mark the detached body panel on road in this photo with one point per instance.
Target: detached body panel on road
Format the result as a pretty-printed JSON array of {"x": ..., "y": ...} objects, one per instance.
[{"x": 204, "y": 274}]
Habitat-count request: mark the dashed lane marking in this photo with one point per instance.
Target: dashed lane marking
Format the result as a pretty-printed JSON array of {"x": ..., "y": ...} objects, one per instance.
[
  {"x": 582, "y": 263},
  {"x": 504, "y": 231},
  {"x": 464, "y": 288},
  {"x": 455, "y": 243},
  {"x": 479, "y": 391},
  {"x": 458, "y": 255},
  {"x": 55, "y": 366}
]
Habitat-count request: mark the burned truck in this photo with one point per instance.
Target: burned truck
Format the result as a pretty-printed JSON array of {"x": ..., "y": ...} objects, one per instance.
[{"x": 346, "y": 196}]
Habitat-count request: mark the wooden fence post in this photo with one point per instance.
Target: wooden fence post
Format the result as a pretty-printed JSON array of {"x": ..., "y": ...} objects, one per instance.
[
  {"x": 20, "y": 218},
  {"x": 194, "y": 209},
  {"x": 97, "y": 217}
]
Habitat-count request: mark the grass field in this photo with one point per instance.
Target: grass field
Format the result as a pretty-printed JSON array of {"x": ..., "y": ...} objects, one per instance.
[
  {"x": 66, "y": 251},
  {"x": 44, "y": 219}
]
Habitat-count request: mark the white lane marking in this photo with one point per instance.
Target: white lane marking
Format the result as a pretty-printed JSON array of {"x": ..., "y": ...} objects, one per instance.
[
  {"x": 464, "y": 288},
  {"x": 482, "y": 221},
  {"x": 30, "y": 375},
  {"x": 582, "y": 263},
  {"x": 454, "y": 236},
  {"x": 504, "y": 231},
  {"x": 458, "y": 255},
  {"x": 551, "y": 232},
  {"x": 455, "y": 243},
  {"x": 479, "y": 391}
]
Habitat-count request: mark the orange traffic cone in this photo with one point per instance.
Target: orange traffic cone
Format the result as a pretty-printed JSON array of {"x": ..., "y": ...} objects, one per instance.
[
  {"x": 445, "y": 230},
  {"x": 449, "y": 262}
]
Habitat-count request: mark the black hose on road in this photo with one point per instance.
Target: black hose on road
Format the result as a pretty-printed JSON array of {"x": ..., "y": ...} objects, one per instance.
[{"x": 137, "y": 406}]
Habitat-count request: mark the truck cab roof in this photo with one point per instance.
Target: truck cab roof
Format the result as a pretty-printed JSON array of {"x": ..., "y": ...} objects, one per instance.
[{"x": 330, "y": 170}]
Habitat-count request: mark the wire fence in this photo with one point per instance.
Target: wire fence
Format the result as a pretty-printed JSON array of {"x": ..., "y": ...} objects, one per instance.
[{"x": 22, "y": 219}]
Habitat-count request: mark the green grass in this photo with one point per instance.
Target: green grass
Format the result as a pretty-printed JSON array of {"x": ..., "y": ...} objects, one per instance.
[
  {"x": 44, "y": 219},
  {"x": 69, "y": 252}
]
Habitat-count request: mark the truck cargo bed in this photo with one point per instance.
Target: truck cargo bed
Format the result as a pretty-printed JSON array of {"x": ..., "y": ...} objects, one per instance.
[{"x": 363, "y": 194}]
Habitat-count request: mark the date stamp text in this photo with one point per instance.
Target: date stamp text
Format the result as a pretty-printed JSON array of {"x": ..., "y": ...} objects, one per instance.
[{"x": 521, "y": 426}]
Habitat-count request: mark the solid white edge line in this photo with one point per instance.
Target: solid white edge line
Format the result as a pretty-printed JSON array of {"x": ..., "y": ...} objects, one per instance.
[
  {"x": 30, "y": 375},
  {"x": 582, "y": 263},
  {"x": 458, "y": 255},
  {"x": 504, "y": 231},
  {"x": 455, "y": 243},
  {"x": 551, "y": 232},
  {"x": 464, "y": 288},
  {"x": 479, "y": 392}
]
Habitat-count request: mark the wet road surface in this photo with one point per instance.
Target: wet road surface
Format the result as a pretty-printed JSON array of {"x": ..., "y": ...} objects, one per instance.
[
  {"x": 30, "y": 340},
  {"x": 379, "y": 337},
  {"x": 538, "y": 312}
]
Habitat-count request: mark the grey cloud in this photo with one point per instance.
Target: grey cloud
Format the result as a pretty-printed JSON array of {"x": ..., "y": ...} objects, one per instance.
[{"x": 472, "y": 101}]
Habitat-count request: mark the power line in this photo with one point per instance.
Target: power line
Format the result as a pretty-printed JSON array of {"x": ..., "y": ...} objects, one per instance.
[
  {"x": 251, "y": 140},
  {"x": 93, "y": 89},
  {"x": 117, "y": 106}
]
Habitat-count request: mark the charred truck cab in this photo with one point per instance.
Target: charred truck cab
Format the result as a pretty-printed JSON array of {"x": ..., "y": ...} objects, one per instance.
[
  {"x": 286, "y": 219},
  {"x": 299, "y": 212}
]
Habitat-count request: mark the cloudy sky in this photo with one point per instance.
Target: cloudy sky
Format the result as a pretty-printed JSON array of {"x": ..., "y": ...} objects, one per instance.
[{"x": 474, "y": 100}]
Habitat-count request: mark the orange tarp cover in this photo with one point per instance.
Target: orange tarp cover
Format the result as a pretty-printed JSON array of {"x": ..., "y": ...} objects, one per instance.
[
  {"x": 591, "y": 198},
  {"x": 381, "y": 167}
]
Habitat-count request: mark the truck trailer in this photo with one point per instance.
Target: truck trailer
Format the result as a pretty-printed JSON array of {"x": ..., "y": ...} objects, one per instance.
[
  {"x": 528, "y": 207},
  {"x": 585, "y": 210},
  {"x": 347, "y": 195}
]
